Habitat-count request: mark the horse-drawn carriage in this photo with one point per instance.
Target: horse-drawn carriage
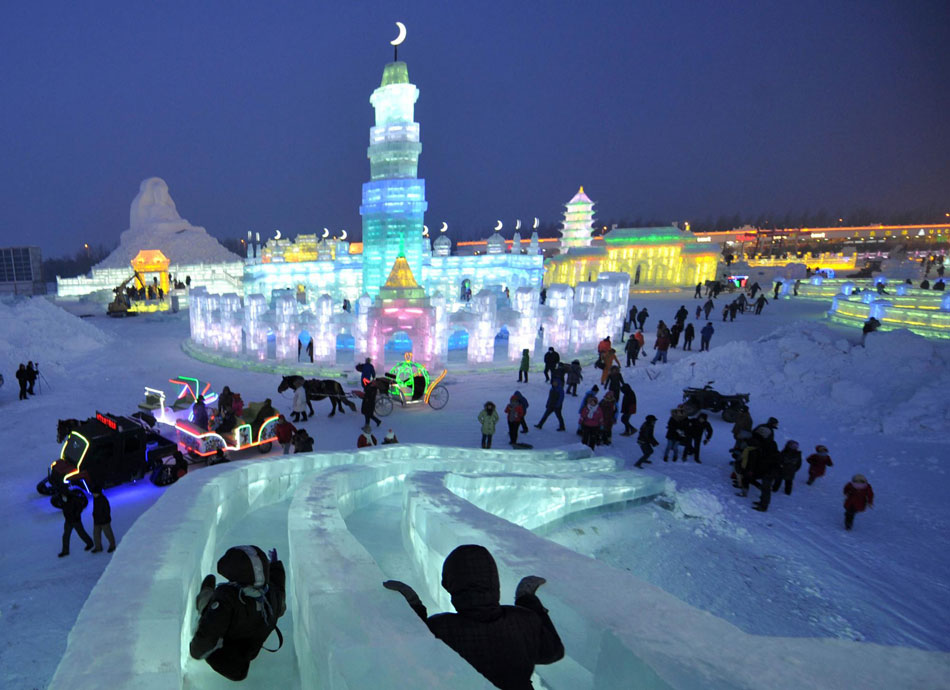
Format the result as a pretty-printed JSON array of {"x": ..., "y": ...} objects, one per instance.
[{"x": 254, "y": 429}]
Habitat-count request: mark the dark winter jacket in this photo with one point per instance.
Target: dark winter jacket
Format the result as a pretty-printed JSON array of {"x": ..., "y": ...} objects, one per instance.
[
  {"x": 615, "y": 383},
  {"x": 503, "y": 643},
  {"x": 368, "y": 406},
  {"x": 791, "y": 462},
  {"x": 574, "y": 374},
  {"x": 696, "y": 427},
  {"x": 629, "y": 403},
  {"x": 242, "y": 613},
  {"x": 72, "y": 507},
  {"x": 761, "y": 460},
  {"x": 632, "y": 347},
  {"x": 646, "y": 433},
  {"x": 817, "y": 462},
  {"x": 555, "y": 398},
  {"x": 690, "y": 333},
  {"x": 199, "y": 415},
  {"x": 101, "y": 510},
  {"x": 676, "y": 429},
  {"x": 551, "y": 358},
  {"x": 367, "y": 372},
  {"x": 662, "y": 341},
  {"x": 525, "y": 361},
  {"x": 707, "y": 331}
]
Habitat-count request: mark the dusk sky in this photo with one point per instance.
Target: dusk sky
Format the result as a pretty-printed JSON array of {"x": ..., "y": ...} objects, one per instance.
[{"x": 257, "y": 114}]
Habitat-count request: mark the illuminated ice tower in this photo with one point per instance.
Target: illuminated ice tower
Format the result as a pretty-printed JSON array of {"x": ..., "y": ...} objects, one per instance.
[
  {"x": 578, "y": 221},
  {"x": 394, "y": 200}
]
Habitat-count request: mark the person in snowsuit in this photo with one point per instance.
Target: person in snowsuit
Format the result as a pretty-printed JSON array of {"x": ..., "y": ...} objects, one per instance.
[
  {"x": 676, "y": 436},
  {"x": 31, "y": 374},
  {"x": 766, "y": 468},
  {"x": 817, "y": 462},
  {"x": 681, "y": 315},
  {"x": 299, "y": 405},
  {"x": 646, "y": 440},
  {"x": 367, "y": 372},
  {"x": 574, "y": 376},
  {"x": 632, "y": 348},
  {"x": 759, "y": 303},
  {"x": 514, "y": 414},
  {"x": 675, "y": 334},
  {"x": 303, "y": 442},
  {"x": 614, "y": 380},
  {"x": 608, "y": 407},
  {"x": 390, "y": 438},
  {"x": 741, "y": 303},
  {"x": 610, "y": 361},
  {"x": 488, "y": 418},
  {"x": 21, "y": 380},
  {"x": 284, "y": 431},
  {"x": 591, "y": 418},
  {"x": 525, "y": 364},
  {"x": 708, "y": 307},
  {"x": 699, "y": 311},
  {"x": 642, "y": 318},
  {"x": 696, "y": 428},
  {"x": 688, "y": 335},
  {"x": 503, "y": 643},
  {"x": 199, "y": 414},
  {"x": 858, "y": 496},
  {"x": 628, "y": 407},
  {"x": 101, "y": 521},
  {"x": 553, "y": 405},
  {"x": 73, "y": 505},
  {"x": 790, "y": 461},
  {"x": 237, "y": 616},
  {"x": 551, "y": 359},
  {"x": 705, "y": 335},
  {"x": 368, "y": 405}
]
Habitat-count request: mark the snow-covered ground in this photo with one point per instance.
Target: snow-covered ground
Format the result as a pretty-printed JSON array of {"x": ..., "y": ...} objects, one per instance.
[{"x": 793, "y": 571}]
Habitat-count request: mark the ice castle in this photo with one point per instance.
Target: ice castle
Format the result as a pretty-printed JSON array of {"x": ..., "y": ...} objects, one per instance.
[{"x": 397, "y": 283}]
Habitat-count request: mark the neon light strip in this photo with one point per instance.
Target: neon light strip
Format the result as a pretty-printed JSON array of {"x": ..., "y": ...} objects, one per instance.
[
  {"x": 81, "y": 457},
  {"x": 433, "y": 385},
  {"x": 224, "y": 443}
]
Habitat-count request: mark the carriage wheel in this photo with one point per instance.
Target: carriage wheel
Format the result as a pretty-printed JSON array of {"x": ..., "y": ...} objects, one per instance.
[
  {"x": 384, "y": 405},
  {"x": 439, "y": 397},
  {"x": 264, "y": 448}
]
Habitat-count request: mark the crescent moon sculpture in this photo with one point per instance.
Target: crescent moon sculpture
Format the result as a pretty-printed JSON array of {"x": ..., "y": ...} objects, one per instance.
[
  {"x": 402, "y": 34},
  {"x": 425, "y": 230},
  {"x": 518, "y": 224},
  {"x": 498, "y": 227},
  {"x": 535, "y": 226},
  {"x": 276, "y": 234},
  {"x": 326, "y": 233},
  {"x": 342, "y": 235},
  {"x": 445, "y": 226}
]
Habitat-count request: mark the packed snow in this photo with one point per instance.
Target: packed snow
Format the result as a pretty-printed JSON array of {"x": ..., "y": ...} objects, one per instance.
[
  {"x": 791, "y": 572},
  {"x": 154, "y": 223}
]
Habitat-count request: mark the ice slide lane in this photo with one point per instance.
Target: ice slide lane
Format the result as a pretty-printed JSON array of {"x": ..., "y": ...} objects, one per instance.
[{"x": 350, "y": 633}]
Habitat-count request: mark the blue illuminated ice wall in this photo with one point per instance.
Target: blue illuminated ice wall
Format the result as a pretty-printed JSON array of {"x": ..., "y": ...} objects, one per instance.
[{"x": 394, "y": 200}]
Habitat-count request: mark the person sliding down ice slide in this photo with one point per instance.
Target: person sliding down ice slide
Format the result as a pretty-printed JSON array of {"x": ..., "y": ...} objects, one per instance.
[
  {"x": 239, "y": 615},
  {"x": 503, "y": 643}
]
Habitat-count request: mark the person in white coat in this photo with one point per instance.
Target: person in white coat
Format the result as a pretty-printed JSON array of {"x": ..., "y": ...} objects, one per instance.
[{"x": 300, "y": 404}]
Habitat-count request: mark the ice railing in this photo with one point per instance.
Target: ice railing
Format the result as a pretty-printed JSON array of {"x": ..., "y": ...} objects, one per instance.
[{"x": 142, "y": 609}]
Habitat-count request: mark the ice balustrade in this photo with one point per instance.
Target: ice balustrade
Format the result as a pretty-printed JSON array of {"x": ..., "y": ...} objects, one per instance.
[{"x": 144, "y": 642}]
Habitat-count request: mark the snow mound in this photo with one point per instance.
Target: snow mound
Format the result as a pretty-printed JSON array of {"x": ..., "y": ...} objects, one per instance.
[
  {"x": 154, "y": 223},
  {"x": 696, "y": 503},
  {"x": 895, "y": 385},
  {"x": 36, "y": 329}
]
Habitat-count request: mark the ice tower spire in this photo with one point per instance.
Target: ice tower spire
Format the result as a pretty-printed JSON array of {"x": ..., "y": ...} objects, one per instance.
[{"x": 394, "y": 200}]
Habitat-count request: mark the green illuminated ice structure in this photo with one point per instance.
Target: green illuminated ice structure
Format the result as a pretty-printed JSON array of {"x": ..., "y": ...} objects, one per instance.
[
  {"x": 578, "y": 223},
  {"x": 394, "y": 200}
]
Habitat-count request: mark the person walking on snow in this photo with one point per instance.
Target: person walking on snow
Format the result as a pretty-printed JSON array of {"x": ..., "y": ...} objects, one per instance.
[
  {"x": 553, "y": 405},
  {"x": 367, "y": 373},
  {"x": 488, "y": 418},
  {"x": 705, "y": 335},
  {"x": 858, "y": 495},
  {"x": 817, "y": 462},
  {"x": 284, "y": 431},
  {"x": 368, "y": 405},
  {"x": 524, "y": 404},
  {"x": 642, "y": 318},
  {"x": 646, "y": 440},
  {"x": 101, "y": 521},
  {"x": 676, "y": 436},
  {"x": 632, "y": 348},
  {"x": 610, "y": 361},
  {"x": 608, "y": 408},
  {"x": 21, "y": 380},
  {"x": 628, "y": 407},
  {"x": 708, "y": 307},
  {"x": 73, "y": 505},
  {"x": 695, "y": 429},
  {"x": 661, "y": 346},
  {"x": 574, "y": 376},
  {"x": 299, "y": 407},
  {"x": 759, "y": 303},
  {"x": 688, "y": 336},
  {"x": 790, "y": 461},
  {"x": 551, "y": 360},
  {"x": 514, "y": 413},
  {"x": 699, "y": 311},
  {"x": 523, "y": 367},
  {"x": 698, "y": 294}
]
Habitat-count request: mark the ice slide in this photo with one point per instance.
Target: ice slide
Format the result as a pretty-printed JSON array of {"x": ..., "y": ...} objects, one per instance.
[{"x": 335, "y": 518}]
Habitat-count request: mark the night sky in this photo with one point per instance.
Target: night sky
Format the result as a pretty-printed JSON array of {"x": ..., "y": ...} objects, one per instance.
[{"x": 257, "y": 114}]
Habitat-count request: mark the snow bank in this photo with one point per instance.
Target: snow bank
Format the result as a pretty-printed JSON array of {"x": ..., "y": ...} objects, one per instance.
[
  {"x": 36, "y": 329},
  {"x": 695, "y": 503},
  {"x": 895, "y": 385}
]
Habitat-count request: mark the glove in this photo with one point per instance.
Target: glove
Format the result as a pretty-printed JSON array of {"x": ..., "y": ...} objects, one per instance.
[
  {"x": 408, "y": 592},
  {"x": 272, "y": 554},
  {"x": 205, "y": 594},
  {"x": 528, "y": 585}
]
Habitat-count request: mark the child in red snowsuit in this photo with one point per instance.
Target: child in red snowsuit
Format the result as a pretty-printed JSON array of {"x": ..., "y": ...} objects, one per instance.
[
  {"x": 858, "y": 495},
  {"x": 817, "y": 462}
]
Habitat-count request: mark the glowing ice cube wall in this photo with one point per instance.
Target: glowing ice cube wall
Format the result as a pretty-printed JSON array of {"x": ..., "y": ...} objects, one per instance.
[{"x": 394, "y": 199}]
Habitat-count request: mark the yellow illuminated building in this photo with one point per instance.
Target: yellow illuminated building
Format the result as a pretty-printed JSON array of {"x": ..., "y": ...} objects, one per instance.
[{"x": 654, "y": 257}]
